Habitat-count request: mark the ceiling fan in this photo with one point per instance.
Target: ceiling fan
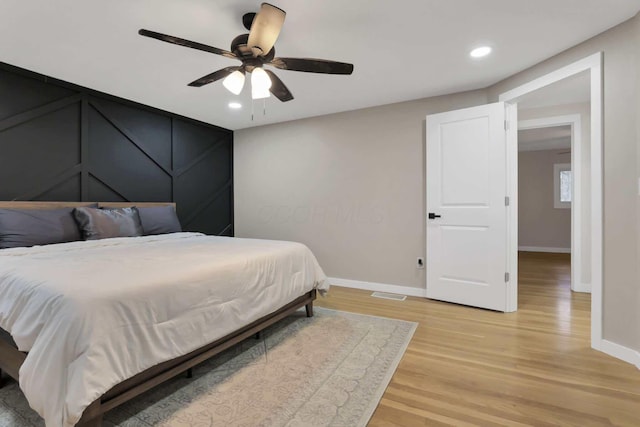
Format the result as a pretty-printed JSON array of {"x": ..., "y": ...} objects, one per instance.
[{"x": 255, "y": 50}]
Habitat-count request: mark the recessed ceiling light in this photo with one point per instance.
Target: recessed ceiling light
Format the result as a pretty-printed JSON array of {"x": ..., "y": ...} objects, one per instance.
[
  {"x": 480, "y": 52},
  {"x": 235, "y": 105}
]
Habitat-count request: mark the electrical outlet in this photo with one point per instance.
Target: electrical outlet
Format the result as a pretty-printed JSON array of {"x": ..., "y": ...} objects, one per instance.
[{"x": 420, "y": 262}]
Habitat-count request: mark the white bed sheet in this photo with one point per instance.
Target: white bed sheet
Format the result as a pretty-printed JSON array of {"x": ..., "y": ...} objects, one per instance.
[{"x": 92, "y": 314}]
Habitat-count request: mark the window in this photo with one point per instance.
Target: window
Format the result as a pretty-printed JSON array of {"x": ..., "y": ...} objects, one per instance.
[{"x": 562, "y": 185}]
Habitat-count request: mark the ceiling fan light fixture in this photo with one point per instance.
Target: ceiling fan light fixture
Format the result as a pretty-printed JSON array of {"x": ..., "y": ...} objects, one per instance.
[
  {"x": 234, "y": 82},
  {"x": 254, "y": 50},
  {"x": 260, "y": 83},
  {"x": 259, "y": 93},
  {"x": 260, "y": 79}
]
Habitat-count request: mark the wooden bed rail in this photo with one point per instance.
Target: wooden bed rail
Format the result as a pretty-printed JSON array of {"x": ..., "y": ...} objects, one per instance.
[{"x": 11, "y": 359}]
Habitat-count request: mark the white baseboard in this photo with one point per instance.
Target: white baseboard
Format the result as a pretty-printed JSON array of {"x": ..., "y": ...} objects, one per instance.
[
  {"x": 620, "y": 352},
  {"x": 612, "y": 349},
  {"x": 583, "y": 287},
  {"x": 544, "y": 249},
  {"x": 378, "y": 287}
]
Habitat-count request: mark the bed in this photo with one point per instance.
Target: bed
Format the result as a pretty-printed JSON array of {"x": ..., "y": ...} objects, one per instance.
[{"x": 136, "y": 311}]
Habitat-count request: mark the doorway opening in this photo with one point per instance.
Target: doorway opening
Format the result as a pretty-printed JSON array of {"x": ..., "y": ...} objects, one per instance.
[
  {"x": 544, "y": 214},
  {"x": 553, "y": 178},
  {"x": 570, "y": 96}
]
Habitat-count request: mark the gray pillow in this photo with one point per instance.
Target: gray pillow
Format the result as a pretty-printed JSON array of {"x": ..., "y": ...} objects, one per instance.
[
  {"x": 98, "y": 224},
  {"x": 31, "y": 227},
  {"x": 159, "y": 220}
]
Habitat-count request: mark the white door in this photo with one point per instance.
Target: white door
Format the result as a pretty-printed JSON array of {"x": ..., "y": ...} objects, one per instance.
[{"x": 467, "y": 214}]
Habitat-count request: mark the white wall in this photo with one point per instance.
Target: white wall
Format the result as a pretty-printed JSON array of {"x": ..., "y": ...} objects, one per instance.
[
  {"x": 540, "y": 224},
  {"x": 350, "y": 185}
]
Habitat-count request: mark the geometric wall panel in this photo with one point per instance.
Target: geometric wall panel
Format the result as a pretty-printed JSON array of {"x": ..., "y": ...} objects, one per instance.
[
  {"x": 118, "y": 162},
  {"x": 64, "y": 190},
  {"x": 151, "y": 131},
  {"x": 207, "y": 176},
  {"x": 26, "y": 94},
  {"x": 98, "y": 190},
  {"x": 34, "y": 152},
  {"x": 214, "y": 217},
  {"x": 60, "y": 141},
  {"x": 193, "y": 141}
]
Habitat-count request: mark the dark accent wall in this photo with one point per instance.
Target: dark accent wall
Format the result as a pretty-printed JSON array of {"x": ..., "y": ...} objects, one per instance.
[{"x": 62, "y": 142}]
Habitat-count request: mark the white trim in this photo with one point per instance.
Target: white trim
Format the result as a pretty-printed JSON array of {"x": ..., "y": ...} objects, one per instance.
[
  {"x": 511, "y": 191},
  {"x": 597, "y": 198},
  {"x": 592, "y": 63},
  {"x": 548, "y": 144},
  {"x": 581, "y": 287},
  {"x": 548, "y": 122},
  {"x": 379, "y": 287},
  {"x": 588, "y": 63},
  {"x": 620, "y": 352},
  {"x": 544, "y": 249}
]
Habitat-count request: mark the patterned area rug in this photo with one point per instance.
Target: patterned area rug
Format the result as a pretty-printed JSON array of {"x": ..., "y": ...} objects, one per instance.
[{"x": 329, "y": 370}]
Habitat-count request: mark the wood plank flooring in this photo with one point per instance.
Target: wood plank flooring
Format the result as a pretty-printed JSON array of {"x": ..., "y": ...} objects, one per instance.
[{"x": 472, "y": 367}]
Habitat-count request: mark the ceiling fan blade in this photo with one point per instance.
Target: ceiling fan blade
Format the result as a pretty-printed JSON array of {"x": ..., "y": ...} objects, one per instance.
[
  {"x": 278, "y": 89},
  {"x": 216, "y": 75},
  {"x": 186, "y": 43},
  {"x": 265, "y": 29},
  {"x": 312, "y": 65}
]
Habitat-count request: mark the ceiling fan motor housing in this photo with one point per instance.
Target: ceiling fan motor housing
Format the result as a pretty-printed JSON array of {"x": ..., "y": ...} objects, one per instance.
[{"x": 243, "y": 51}]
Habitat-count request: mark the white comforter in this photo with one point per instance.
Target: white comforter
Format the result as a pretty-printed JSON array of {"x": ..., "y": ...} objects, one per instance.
[{"x": 92, "y": 314}]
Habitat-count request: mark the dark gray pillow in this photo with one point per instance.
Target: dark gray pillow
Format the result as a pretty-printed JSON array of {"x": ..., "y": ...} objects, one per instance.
[
  {"x": 98, "y": 224},
  {"x": 159, "y": 220},
  {"x": 31, "y": 227}
]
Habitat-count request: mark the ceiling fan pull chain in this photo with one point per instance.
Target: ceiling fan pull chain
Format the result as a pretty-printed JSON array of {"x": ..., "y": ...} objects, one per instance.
[
  {"x": 252, "y": 102},
  {"x": 264, "y": 106}
]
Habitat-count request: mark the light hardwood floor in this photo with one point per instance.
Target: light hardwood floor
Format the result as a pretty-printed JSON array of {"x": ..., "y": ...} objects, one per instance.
[{"x": 535, "y": 367}]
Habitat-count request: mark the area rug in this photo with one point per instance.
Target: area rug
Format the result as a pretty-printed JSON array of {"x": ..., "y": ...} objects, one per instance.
[{"x": 328, "y": 370}]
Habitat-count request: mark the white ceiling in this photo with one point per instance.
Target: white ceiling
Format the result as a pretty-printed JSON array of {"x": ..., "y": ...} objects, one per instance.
[
  {"x": 548, "y": 138},
  {"x": 402, "y": 50}
]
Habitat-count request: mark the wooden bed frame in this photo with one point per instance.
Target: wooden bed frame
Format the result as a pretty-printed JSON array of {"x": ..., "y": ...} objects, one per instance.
[{"x": 11, "y": 359}]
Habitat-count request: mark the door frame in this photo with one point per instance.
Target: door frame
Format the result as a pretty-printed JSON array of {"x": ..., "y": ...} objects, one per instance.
[
  {"x": 592, "y": 63},
  {"x": 575, "y": 121}
]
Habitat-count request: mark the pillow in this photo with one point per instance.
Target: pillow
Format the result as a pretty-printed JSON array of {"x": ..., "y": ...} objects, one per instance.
[
  {"x": 30, "y": 227},
  {"x": 159, "y": 220},
  {"x": 98, "y": 224}
]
